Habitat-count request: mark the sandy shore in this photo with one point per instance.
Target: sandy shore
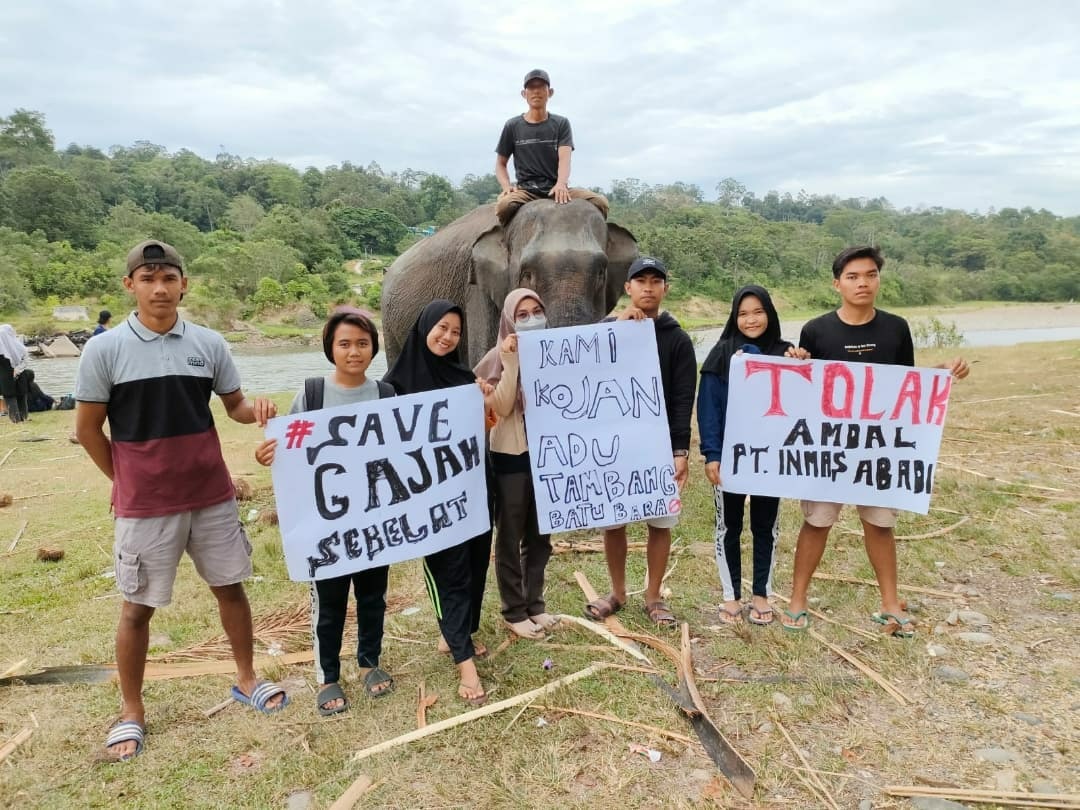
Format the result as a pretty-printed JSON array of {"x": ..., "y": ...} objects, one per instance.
[{"x": 981, "y": 317}]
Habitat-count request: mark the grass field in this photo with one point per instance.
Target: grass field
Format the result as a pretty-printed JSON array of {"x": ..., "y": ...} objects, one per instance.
[{"x": 1002, "y": 538}]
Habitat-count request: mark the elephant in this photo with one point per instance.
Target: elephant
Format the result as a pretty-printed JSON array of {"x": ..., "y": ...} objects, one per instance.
[{"x": 568, "y": 254}]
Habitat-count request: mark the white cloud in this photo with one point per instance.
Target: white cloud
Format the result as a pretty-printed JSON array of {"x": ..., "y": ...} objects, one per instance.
[{"x": 958, "y": 104}]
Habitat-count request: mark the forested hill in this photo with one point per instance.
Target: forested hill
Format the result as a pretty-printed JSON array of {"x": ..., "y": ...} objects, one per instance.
[{"x": 260, "y": 234}]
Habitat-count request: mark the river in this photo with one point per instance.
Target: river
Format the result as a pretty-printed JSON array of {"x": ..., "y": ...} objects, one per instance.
[{"x": 285, "y": 370}]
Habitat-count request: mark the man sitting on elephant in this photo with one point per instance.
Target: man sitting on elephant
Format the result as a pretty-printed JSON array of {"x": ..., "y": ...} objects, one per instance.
[{"x": 540, "y": 143}]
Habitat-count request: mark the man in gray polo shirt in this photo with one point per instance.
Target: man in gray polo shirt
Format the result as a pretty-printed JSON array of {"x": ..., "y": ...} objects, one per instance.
[{"x": 152, "y": 378}]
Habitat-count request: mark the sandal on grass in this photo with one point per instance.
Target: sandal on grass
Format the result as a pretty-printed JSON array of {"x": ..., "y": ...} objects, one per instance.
[
  {"x": 660, "y": 614},
  {"x": 730, "y": 616},
  {"x": 126, "y": 731},
  {"x": 800, "y": 621},
  {"x": 602, "y": 607},
  {"x": 328, "y": 694},
  {"x": 761, "y": 617},
  {"x": 477, "y": 700},
  {"x": 260, "y": 698},
  {"x": 375, "y": 678},
  {"x": 900, "y": 627}
]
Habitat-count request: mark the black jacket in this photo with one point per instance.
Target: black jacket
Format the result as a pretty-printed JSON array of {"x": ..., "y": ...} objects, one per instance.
[{"x": 678, "y": 373}]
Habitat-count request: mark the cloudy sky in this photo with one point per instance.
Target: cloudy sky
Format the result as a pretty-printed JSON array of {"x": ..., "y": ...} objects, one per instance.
[{"x": 952, "y": 103}]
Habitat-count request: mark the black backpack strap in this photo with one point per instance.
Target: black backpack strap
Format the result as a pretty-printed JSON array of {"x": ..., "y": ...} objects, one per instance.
[
  {"x": 385, "y": 389},
  {"x": 313, "y": 392}
]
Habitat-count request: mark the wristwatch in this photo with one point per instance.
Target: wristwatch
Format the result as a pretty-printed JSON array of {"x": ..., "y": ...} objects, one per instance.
[{"x": 680, "y": 453}]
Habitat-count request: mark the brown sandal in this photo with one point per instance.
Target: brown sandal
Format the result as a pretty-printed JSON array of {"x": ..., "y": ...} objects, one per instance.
[
  {"x": 602, "y": 607},
  {"x": 660, "y": 614},
  {"x": 730, "y": 616}
]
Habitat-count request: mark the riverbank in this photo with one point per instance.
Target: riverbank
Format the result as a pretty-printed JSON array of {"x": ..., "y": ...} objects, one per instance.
[{"x": 281, "y": 363}]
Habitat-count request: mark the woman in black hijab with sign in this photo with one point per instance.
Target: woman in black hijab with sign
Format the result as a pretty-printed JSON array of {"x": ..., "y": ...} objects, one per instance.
[
  {"x": 753, "y": 327},
  {"x": 455, "y": 577}
]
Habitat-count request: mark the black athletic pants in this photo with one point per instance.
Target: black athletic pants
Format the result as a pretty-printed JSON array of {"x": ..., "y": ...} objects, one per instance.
[
  {"x": 764, "y": 513},
  {"x": 330, "y": 601},
  {"x": 455, "y": 579}
]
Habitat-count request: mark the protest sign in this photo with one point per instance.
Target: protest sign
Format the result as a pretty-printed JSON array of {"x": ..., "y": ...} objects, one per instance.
[
  {"x": 375, "y": 483},
  {"x": 858, "y": 433},
  {"x": 597, "y": 425}
]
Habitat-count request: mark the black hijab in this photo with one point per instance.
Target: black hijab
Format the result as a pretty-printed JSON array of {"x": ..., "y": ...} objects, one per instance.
[
  {"x": 731, "y": 339},
  {"x": 417, "y": 368}
]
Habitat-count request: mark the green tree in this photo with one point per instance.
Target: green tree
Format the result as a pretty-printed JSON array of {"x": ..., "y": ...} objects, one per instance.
[
  {"x": 436, "y": 196},
  {"x": 367, "y": 230},
  {"x": 243, "y": 214},
  {"x": 52, "y": 201},
  {"x": 25, "y": 140}
]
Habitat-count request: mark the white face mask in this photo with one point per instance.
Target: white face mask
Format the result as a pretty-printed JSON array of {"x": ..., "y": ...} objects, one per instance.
[{"x": 530, "y": 323}]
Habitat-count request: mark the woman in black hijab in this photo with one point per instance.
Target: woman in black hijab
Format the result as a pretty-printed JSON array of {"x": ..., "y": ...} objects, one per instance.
[
  {"x": 753, "y": 327},
  {"x": 455, "y": 577}
]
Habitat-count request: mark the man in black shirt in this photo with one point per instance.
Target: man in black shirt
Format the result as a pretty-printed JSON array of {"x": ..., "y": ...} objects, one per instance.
[
  {"x": 540, "y": 143},
  {"x": 857, "y": 332},
  {"x": 647, "y": 284}
]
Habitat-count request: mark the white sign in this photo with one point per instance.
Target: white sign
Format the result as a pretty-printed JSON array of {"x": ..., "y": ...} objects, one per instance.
[
  {"x": 597, "y": 427},
  {"x": 858, "y": 433},
  {"x": 375, "y": 483}
]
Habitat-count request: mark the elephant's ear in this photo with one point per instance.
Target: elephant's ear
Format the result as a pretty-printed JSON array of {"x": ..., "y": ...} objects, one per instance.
[
  {"x": 488, "y": 286},
  {"x": 490, "y": 261},
  {"x": 622, "y": 249}
]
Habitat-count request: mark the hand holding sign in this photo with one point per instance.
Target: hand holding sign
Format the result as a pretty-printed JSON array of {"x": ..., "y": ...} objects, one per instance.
[
  {"x": 378, "y": 482},
  {"x": 596, "y": 421},
  {"x": 857, "y": 433}
]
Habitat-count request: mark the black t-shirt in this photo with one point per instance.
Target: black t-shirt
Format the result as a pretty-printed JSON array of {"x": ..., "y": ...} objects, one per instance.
[
  {"x": 535, "y": 149},
  {"x": 886, "y": 339}
]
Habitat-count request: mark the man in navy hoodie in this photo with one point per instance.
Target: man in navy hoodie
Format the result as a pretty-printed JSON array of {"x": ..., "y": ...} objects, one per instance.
[{"x": 647, "y": 284}]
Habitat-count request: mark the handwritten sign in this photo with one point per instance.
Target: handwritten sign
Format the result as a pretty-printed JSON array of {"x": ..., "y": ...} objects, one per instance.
[
  {"x": 375, "y": 483},
  {"x": 858, "y": 433},
  {"x": 597, "y": 425}
]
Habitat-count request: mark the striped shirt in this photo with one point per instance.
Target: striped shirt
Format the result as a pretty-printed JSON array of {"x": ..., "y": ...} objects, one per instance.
[{"x": 165, "y": 451}]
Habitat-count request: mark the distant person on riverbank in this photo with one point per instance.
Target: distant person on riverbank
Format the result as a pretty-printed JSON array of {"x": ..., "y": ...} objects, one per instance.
[
  {"x": 540, "y": 143},
  {"x": 350, "y": 342},
  {"x": 171, "y": 489},
  {"x": 102, "y": 322},
  {"x": 858, "y": 332},
  {"x": 14, "y": 382},
  {"x": 752, "y": 327}
]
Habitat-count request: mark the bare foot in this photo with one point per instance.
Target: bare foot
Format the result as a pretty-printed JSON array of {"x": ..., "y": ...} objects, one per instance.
[
  {"x": 470, "y": 689},
  {"x": 479, "y": 650}
]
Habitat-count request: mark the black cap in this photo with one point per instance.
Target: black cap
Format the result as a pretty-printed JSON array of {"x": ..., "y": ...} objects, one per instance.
[
  {"x": 646, "y": 264},
  {"x": 537, "y": 74}
]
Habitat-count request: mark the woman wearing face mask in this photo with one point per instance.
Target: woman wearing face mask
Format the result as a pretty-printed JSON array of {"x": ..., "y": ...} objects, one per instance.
[
  {"x": 521, "y": 552},
  {"x": 455, "y": 577}
]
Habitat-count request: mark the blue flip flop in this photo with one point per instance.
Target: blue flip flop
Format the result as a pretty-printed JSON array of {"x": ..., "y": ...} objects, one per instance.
[
  {"x": 264, "y": 690},
  {"x": 127, "y": 731}
]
